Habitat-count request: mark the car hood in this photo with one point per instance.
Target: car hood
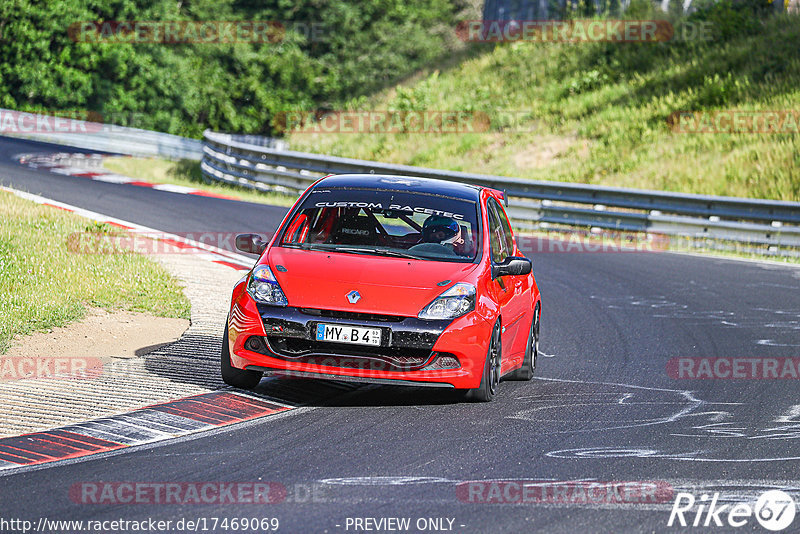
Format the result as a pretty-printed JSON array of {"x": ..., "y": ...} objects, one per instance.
[{"x": 388, "y": 286}]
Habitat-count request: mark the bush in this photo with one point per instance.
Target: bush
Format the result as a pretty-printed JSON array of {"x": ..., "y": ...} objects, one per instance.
[
  {"x": 362, "y": 45},
  {"x": 730, "y": 19}
]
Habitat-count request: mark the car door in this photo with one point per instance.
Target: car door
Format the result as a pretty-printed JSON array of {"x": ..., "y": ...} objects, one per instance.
[
  {"x": 520, "y": 304},
  {"x": 504, "y": 287}
]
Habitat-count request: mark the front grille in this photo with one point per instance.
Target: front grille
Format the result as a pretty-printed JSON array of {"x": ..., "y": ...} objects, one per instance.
[
  {"x": 350, "y": 356},
  {"x": 353, "y": 316}
]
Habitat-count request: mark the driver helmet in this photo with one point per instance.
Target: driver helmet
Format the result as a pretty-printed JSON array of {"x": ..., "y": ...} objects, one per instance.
[{"x": 438, "y": 229}]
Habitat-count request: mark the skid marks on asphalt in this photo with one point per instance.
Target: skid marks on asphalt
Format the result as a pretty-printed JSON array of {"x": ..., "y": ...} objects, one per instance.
[
  {"x": 614, "y": 413},
  {"x": 775, "y": 323}
]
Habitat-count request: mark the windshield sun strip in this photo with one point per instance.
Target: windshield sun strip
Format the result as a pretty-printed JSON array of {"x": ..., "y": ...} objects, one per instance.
[{"x": 278, "y": 242}]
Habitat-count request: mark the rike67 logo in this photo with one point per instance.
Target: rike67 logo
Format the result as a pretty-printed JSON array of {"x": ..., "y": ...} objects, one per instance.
[{"x": 774, "y": 510}]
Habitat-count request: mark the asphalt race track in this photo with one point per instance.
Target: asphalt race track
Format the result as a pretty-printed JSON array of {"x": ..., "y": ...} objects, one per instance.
[{"x": 603, "y": 407}]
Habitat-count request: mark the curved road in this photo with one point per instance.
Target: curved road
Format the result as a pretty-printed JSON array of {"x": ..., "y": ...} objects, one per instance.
[{"x": 602, "y": 408}]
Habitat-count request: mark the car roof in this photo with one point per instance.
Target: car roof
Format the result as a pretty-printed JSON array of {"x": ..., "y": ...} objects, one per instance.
[{"x": 402, "y": 183}]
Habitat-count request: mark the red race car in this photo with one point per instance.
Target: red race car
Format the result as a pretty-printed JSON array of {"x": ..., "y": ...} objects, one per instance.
[{"x": 390, "y": 280}]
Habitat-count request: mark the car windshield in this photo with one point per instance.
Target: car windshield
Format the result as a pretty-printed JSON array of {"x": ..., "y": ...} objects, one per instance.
[{"x": 385, "y": 223}]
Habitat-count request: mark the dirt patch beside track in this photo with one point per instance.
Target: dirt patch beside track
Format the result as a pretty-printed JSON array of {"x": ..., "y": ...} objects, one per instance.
[{"x": 101, "y": 334}]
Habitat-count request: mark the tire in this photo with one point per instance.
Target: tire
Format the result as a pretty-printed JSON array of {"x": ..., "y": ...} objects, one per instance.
[
  {"x": 531, "y": 352},
  {"x": 490, "y": 379},
  {"x": 238, "y": 378}
]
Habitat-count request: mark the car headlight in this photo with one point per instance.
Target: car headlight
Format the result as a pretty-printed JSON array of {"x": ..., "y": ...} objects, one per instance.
[
  {"x": 264, "y": 287},
  {"x": 453, "y": 303}
]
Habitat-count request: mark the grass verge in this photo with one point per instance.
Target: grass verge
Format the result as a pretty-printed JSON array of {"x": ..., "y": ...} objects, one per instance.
[
  {"x": 187, "y": 173},
  {"x": 44, "y": 285},
  {"x": 598, "y": 113}
]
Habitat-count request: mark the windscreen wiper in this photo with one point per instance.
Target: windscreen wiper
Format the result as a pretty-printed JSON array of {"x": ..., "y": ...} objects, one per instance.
[
  {"x": 375, "y": 251},
  {"x": 328, "y": 247},
  {"x": 301, "y": 246},
  {"x": 397, "y": 254}
]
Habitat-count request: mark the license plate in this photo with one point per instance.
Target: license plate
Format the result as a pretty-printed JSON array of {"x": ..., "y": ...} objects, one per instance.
[{"x": 348, "y": 334}]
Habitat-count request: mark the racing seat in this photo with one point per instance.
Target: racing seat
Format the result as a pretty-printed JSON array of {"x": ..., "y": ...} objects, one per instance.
[{"x": 355, "y": 230}]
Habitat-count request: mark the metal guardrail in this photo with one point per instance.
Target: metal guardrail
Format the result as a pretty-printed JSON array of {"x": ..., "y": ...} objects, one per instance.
[
  {"x": 97, "y": 136},
  {"x": 532, "y": 204}
]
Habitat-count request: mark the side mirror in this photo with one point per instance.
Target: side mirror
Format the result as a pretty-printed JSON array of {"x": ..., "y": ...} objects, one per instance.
[
  {"x": 512, "y": 266},
  {"x": 250, "y": 243}
]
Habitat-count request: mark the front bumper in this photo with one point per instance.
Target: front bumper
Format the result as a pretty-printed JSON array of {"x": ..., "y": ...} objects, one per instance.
[{"x": 282, "y": 341}]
